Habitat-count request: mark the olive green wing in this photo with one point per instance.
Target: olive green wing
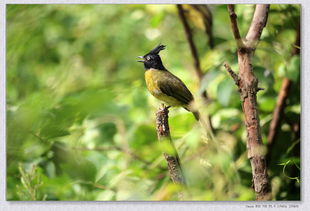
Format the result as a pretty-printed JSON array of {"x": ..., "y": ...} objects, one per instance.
[{"x": 174, "y": 87}]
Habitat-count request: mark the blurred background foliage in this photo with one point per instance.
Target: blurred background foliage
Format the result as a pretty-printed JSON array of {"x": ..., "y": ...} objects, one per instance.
[{"x": 81, "y": 124}]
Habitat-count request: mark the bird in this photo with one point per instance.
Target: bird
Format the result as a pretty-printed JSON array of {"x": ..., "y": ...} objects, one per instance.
[{"x": 163, "y": 85}]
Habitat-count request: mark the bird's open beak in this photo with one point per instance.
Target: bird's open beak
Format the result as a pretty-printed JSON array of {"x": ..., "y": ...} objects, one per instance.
[{"x": 140, "y": 57}]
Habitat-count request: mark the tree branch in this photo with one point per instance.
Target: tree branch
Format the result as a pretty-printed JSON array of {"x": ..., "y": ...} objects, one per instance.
[
  {"x": 173, "y": 161},
  {"x": 194, "y": 52},
  {"x": 278, "y": 111},
  {"x": 247, "y": 84},
  {"x": 234, "y": 25},
  {"x": 234, "y": 75},
  {"x": 146, "y": 163},
  {"x": 189, "y": 37},
  {"x": 258, "y": 23}
]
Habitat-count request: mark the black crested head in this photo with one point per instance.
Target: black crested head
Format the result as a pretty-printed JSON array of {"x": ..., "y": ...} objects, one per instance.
[
  {"x": 152, "y": 59},
  {"x": 157, "y": 49}
]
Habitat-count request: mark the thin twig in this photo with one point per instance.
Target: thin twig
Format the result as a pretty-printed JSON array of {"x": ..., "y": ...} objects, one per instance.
[
  {"x": 234, "y": 25},
  {"x": 232, "y": 74},
  {"x": 191, "y": 43},
  {"x": 110, "y": 148}
]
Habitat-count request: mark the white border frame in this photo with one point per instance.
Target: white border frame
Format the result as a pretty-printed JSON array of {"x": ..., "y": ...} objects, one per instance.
[{"x": 168, "y": 206}]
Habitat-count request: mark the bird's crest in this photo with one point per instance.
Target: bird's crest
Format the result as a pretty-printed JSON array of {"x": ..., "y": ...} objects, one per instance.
[{"x": 157, "y": 49}]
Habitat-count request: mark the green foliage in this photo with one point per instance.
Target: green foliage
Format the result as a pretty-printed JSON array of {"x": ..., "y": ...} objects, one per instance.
[
  {"x": 31, "y": 183},
  {"x": 81, "y": 124},
  {"x": 292, "y": 69},
  {"x": 224, "y": 91}
]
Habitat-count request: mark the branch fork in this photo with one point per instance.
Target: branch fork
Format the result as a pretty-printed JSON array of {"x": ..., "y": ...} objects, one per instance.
[
  {"x": 248, "y": 87},
  {"x": 234, "y": 75}
]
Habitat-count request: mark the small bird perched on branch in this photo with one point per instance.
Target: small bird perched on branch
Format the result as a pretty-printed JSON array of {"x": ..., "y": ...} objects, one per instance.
[{"x": 164, "y": 85}]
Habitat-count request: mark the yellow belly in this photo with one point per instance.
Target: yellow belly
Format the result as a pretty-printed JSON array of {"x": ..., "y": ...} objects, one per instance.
[{"x": 151, "y": 78}]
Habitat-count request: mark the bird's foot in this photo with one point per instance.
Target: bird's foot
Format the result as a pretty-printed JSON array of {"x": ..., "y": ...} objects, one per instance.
[{"x": 164, "y": 108}]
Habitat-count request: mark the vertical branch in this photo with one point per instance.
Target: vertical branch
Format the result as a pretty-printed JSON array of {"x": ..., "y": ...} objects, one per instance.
[
  {"x": 278, "y": 111},
  {"x": 234, "y": 25},
  {"x": 189, "y": 37},
  {"x": 258, "y": 23},
  {"x": 173, "y": 161},
  {"x": 248, "y": 87},
  {"x": 194, "y": 52}
]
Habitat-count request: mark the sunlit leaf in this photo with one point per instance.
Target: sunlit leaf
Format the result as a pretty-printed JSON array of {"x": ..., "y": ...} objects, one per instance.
[
  {"x": 293, "y": 68},
  {"x": 224, "y": 91}
]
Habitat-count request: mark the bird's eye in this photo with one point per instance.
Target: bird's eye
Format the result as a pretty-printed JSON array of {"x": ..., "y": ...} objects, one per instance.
[{"x": 148, "y": 58}]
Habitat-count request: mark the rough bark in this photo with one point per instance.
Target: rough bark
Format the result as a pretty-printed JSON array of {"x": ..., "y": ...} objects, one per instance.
[
  {"x": 173, "y": 161},
  {"x": 248, "y": 87}
]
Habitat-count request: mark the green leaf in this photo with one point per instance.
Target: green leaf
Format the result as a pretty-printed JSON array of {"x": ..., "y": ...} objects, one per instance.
[
  {"x": 293, "y": 68},
  {"x": 50, "y": 169},
  {"x": 264, "y": 76},
  {"x": 142, "y": 135},
  {"x": 180, "y": 123},
  {"x": 224, "y": 91},
  {"x": 106, "y": 195},
  {"x": 79, "y": 168},
  {"x": 267, "y": 104},
  {"x": 207, "y": 79},
  {"x": 107, "y": 132}
]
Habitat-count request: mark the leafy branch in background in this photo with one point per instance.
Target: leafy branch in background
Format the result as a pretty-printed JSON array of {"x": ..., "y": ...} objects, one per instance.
[
  {"x": 194, "y": 51},
  {"x": 283, "y": 96},
  {"x": 248, "y": 87},
  {"x": 31, "y": 183},
  {"x": 285, "y": 164}
]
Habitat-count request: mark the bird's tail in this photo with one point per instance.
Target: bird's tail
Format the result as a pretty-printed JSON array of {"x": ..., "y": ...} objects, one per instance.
[{"x": 195, "y": 113}]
